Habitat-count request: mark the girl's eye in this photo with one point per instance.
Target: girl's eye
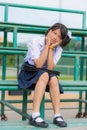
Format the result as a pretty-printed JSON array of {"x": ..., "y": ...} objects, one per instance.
[{"x": 55, "y": 33}]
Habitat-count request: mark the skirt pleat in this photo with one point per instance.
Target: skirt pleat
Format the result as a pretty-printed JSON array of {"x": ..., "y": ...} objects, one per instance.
[{"x": 27, "y": 79}]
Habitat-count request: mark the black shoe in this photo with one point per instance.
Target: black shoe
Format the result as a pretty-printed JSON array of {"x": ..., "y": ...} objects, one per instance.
[
  {"x": 59, "y": 123},
  {"x": 32, "y": 121}
]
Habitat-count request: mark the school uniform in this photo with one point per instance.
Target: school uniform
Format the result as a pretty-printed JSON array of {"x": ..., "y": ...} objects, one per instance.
[{"x": 28, "y": 74}]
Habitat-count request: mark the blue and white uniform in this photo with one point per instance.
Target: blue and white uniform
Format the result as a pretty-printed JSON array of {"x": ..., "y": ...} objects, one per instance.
[
  {"x": 35, "y": 49},
  {"x": 27, "y": 79}
]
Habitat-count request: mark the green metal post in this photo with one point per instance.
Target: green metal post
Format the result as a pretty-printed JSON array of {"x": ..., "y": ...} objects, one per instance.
[
  {"x": 24, "y": 104},
  {"x": 3, "y": 73},
  {"x": 84, "y": 20},
  {"x": 81, "y": 74},
  {"x": 76, "y": 68},
  {"x": 5, "y": 39},
  {"x": 15, "y": 37},
  {"x": 4, "y": 60},
  {"x": 86, "y": 92},
  {"x": 76, "y": 74},
  {"x": 80, "y": 103},
  {"x": 85, "y": 103},
  {"x": 82, "y": 59},
  {"x": 3, "y": 77},
  {"x": 86, "y": 69},
  {"x": 42, "y": 107},
  {"x": 6, "y": 13}
]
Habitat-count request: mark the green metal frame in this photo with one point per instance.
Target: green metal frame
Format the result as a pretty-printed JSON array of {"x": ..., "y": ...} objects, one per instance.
[{"x": 16, "y": 28}]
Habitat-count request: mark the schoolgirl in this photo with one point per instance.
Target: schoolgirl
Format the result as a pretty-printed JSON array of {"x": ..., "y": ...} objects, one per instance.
[{"x": 37, "y": 72}]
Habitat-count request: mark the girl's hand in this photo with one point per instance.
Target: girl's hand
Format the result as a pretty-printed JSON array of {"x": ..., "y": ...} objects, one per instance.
[
  {"x": 55, "y": 44},
  {"x": 48, "y": 38}
]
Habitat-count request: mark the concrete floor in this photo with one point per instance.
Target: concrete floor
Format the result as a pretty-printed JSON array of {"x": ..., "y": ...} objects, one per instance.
[{"x": 68, "y": 111}]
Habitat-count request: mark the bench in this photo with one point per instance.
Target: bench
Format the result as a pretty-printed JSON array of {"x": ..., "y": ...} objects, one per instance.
[
  {"x": 6, "y": 85},
  {"x": 25, "y": 28},
  {"x": 68, "y": 85}
]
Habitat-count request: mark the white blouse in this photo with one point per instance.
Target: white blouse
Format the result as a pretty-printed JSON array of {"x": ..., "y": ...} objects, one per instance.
[{"x": 35, "y": 49}]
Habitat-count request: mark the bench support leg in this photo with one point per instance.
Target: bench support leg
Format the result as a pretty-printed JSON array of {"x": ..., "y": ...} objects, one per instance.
[
  {"x": 85, "y": 113},
  {"x": 79, "y": 114},
  {"x": 24, "y": 104},
  {"x": 42, "y": 107}
]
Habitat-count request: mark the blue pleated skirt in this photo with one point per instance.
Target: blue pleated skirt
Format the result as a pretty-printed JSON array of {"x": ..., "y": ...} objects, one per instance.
[{"x": 27, "y": 78}]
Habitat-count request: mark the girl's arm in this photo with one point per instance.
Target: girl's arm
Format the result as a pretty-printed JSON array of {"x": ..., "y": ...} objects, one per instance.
[
  {"x": 50, "y": 60},
  {"x": 39, "y": 62}
]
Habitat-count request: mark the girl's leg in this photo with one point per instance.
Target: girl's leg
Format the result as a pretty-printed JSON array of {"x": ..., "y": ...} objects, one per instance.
[
  {"x": 39, "y": 91},
  {"x": 54, "y": 94},
  {"x": 40, "y": 87},
  {"x": 55, "y": 97}
]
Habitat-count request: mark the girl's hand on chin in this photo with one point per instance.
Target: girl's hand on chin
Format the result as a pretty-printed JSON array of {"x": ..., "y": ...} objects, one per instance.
[
  {"x": 48, "y": 38},
  {"x": 56, "y": 44}
]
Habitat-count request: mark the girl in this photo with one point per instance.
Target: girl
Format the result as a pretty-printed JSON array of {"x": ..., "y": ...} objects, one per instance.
[{"x": 43, "y": 54}]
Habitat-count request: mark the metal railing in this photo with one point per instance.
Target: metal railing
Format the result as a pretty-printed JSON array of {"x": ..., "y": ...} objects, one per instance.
[{"x": 7, "y": 5}]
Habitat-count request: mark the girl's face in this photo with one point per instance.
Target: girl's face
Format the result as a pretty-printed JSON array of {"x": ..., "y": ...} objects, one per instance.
[{"x": 55, "y": 36}]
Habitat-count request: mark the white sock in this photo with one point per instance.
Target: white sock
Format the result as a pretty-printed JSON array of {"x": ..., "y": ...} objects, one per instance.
[
  {"x": 35, "y": 114},
  {"x": 58, "y": 119}
]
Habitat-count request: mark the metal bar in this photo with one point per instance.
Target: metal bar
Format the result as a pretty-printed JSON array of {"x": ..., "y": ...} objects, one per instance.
[
  {"x": 85, "y": 103},
  {"x": 41, "y": 8},
  {"x": 76, "y": 68},
  {"x": 84, "y": 20},
  {"x": 42, "y": 107},
  {"x": 6, "y": 13},
  {"x": 47, "y": 100},
  {"x": 82, "y": 59},
  {"x": 24, "y": 104},
  {"x": 15, "y": 109},
  {"x": 15, "y": 37},
  {"x": 3, "y": 77},
  {"x": 80, "y": 103},
  {"x": 5, "y": 39}
]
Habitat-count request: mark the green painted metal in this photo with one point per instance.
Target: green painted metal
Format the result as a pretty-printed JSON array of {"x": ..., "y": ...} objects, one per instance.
[
  {"x": 16, "y": 28},
  {"x": 28, "y": 28},
  {"x": 5, "y": 39},
  {"x": 73, "y": 124},
  {"x": 80, "y": 103},
  {"x": 15, "y": 37},
  {"x": 3, "y": 77},
  {"x": 84, "y": 20},
  {"x": 42, "y": 8},
  {"x": 22, "y": 51},
  {"x": 42, "y": 107},
  {"x": 86, "y": 103},
  {"x": 13, "y": 85},
  {"x": 86, "y": 69},
  {"x": 6, "y": 13},
  {"x": 73, "y": 85},
  {"x": 82, "y": 60},
  {"x": 2, "y": 105},
  {"x": 24, "y": 104},
  {"x": 81, "y": 72},
  {"x": 15, "y": 109},
  {"x": 76, "y": 68}
]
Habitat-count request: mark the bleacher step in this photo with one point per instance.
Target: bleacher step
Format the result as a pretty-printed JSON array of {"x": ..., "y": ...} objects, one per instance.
[{"x": 73, "y": 124}]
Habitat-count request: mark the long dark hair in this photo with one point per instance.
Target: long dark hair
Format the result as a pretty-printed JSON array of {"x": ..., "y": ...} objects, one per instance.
[{"x": 64, "y": 33}]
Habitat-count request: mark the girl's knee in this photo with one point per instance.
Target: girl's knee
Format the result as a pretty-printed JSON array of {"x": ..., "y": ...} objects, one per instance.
[
  {"x": 53, "y": 81},
  {"x": 44, "y": 77}
]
